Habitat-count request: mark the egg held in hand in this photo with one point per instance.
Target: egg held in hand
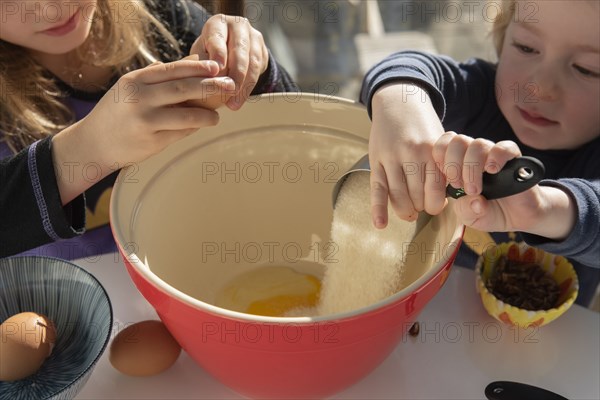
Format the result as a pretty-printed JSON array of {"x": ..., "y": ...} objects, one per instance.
[
  {"x": 213, "y": 97},
  {"x": 26, "y": 340},
  {"x": 215, "y": 93},
  {"x": 143, "y": 349}
]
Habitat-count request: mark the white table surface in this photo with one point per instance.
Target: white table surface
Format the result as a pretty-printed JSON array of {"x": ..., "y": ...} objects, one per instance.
[{"x": 459, "y": 351}]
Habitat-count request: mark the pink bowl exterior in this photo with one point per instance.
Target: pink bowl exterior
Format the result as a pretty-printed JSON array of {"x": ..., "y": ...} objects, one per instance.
[{"x": 289, "y": 360}]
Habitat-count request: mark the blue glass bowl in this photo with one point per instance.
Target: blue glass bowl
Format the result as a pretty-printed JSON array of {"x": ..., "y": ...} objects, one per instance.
[{"x": 81, "y": 311}]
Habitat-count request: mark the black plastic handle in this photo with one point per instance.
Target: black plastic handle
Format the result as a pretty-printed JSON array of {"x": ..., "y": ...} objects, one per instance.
[
  {"x": 504, "y": 390},
  {"x": 518, "y": 175}
]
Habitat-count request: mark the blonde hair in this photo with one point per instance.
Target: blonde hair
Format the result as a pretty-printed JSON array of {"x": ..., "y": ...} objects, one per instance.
[
  {"x": 503, "y": 19},
  {"x": 30, "y": 101},
  {"x": 501, "y": 22}
]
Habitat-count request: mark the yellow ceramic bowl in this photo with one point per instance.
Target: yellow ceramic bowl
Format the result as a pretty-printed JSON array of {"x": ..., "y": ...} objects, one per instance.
[{"x": 557, "y": 266}]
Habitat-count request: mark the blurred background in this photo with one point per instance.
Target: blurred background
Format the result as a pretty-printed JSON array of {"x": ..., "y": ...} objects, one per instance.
[{"x": 328, "y": 45}]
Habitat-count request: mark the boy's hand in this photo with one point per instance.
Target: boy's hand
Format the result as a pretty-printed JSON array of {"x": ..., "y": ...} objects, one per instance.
[
  {"x": 404, "y": 130},
  {"x": 543, "y": 210},
  {"x": 463, "y": 160},
  {"x": 238, "y": 48}
]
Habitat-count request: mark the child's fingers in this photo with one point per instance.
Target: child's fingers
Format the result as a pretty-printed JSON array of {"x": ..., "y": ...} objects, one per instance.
[
  {"x": 162, "y": 72},
  {"x": 399, "y": 191},
  {"x": 194, "y": 57},
  {"x": 198, "y": 49},
  {"x": 265, "y": 56},
  {"x": 257, "y": 60},
  {"x": 167, "y": 137},
  {"x": 379, "y": 196},
  {"x": 441, "y": 146},
  {"x": 501, "y": 153},
  {"x": 240, "y": 45},
  {"x": 453, "y": 160},
  {"x": 259, "y": 57},
  {"x": 474, "y": 163},
  {"x": 180, "y": 90},
  {"x": 215, "y": 36},
  {"x": 475, "y": 211},
  {"x": 482, "y": 214},
  {"x": 180, "y": 118},
  {"x": 435, "y": 189}
]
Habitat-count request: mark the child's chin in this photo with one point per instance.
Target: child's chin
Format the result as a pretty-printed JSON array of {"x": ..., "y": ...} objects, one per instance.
[{"x": 535, "y": 140}]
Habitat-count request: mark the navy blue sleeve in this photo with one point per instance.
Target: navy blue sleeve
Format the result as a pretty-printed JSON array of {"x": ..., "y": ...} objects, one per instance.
[
  {"x": 583, "y": 244},
  {"x": 31, "y": 211},
  {"x": 459, "y": 92}
]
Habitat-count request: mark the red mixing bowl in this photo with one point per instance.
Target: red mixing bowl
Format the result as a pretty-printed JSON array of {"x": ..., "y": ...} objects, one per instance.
[{"x": 253, "y": 191}]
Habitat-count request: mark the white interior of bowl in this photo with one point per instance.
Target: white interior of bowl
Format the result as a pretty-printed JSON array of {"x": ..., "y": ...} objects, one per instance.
[{"x": 254, "y": 191}]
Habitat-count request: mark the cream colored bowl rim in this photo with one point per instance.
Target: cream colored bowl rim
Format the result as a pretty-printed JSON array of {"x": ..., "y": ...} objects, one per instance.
[{"x": 140, "y": 267}]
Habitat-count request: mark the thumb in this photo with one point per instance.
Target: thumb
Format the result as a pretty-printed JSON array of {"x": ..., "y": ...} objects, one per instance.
[
  {"x": 211, "y": 65},
  {"x": 198, "y": 50},
  {"x": 476, "y": 212}
]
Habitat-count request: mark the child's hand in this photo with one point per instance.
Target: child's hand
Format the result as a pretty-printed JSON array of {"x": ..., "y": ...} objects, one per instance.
[
  {"x": 463, "y": 160},
  {"x": 238, "y": 48},
  {"x": 140, "y": 115},
  {"x": 213, "y": 97},
  {"x": 404, "y": 130},
  {"x": 150, "y": 113}
]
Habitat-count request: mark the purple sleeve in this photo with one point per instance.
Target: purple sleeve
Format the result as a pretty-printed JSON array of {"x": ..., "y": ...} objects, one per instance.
[{"x": 583, "y": 244}]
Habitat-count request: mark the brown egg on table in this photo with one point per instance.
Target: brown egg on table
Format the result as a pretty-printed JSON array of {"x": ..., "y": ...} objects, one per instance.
[
  {"x": 26, "y": 340},
  {"x": 143, "y": 349}
]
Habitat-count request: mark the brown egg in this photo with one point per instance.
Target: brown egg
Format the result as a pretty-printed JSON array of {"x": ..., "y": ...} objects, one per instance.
[
  {"x": 143, "y": 349},
  {"x": 26, "y": 340},
  {"x": 212, "y": 100},
  {"x": 214, "y": 97}
]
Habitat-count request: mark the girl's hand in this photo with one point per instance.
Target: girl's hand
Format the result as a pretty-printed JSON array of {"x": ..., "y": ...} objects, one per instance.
[
  {"x": 144, "y": 112},
  {"x": 238, "y": 48},
  {"x": 404, "y": 130},
  {"x": 542, "y": 210}
]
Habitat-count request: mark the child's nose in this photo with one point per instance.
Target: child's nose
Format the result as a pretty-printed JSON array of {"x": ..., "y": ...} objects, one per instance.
[{"x": 545, "y": 84}]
